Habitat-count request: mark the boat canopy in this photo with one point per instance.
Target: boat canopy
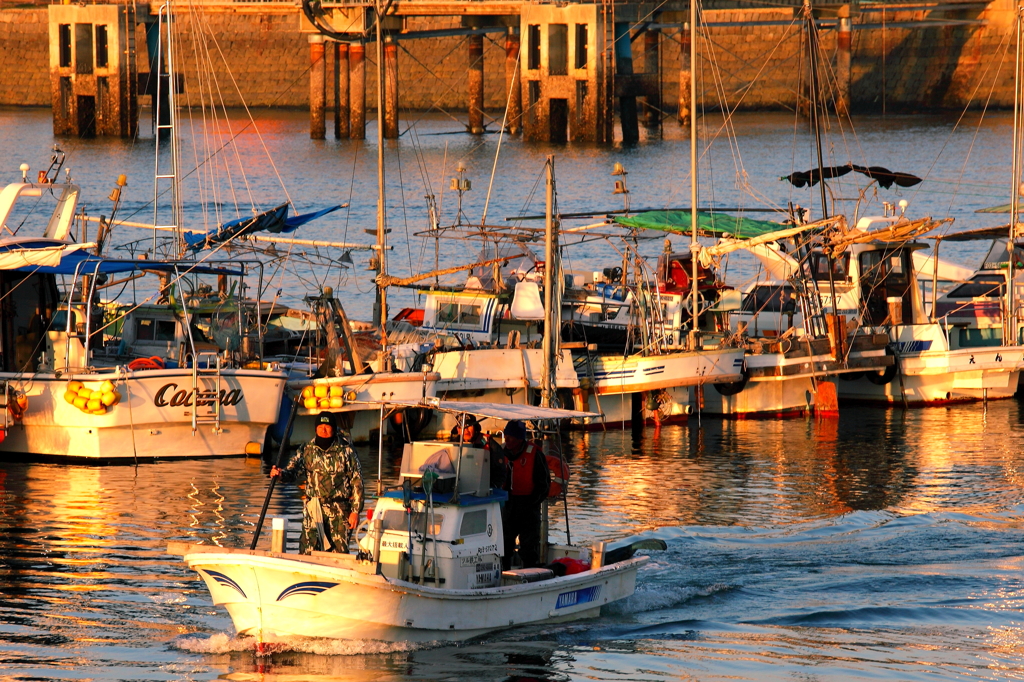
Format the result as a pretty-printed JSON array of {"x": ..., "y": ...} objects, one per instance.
[
  {"x": 33, "y": 252},
  {"x": 708, "y": 224},
  {"x": 494, "y": 410}
]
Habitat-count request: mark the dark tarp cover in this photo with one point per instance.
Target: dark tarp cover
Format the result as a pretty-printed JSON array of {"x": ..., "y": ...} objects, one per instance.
[
  {"x": 708, "y": 224},
  {"x": 883, "y": 176}
]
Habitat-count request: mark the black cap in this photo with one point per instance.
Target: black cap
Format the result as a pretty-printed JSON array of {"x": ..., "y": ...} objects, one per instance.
[{"x": 328, "y": 418}]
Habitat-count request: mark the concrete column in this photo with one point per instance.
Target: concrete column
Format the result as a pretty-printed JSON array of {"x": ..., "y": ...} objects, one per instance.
[
  {"x": 624, "y": 67},
  {"x": 513, "y": 83},
  {"x": 341, "y": 112},
  {"x": 390, "y": 89},
  {"x": 475, "y": 83},
  {"x": 357, "y": 90},
  {"x": 317, "y": 88},
  {"x": 843, "y": 41},
  {"x": 652, "y": 64},
  {"x": 685, "y": 74}
]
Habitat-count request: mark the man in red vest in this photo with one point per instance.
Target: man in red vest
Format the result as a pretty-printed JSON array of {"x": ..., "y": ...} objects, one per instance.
[{"x": 527, "y": 487}]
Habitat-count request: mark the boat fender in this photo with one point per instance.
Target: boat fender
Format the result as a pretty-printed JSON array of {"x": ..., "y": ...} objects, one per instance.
[
  {"x": 888, "y": 374},
  {"x": 733, "y": 387},
  {"x": 559, "y": 470}
]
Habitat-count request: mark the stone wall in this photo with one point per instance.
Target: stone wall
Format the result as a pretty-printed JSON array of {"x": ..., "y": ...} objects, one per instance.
[
  {"x": 757, "y": 67},
  {"x": 24, "y": 57}
]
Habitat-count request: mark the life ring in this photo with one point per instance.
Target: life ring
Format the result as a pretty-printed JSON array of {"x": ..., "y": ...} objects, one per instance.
[
  {"x": 888, "y": 374},
  {"x": 733, "y": 387},
  {"x": 153, "y": 362}
]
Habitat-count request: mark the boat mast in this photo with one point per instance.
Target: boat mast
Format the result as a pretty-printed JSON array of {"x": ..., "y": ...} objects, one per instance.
[
  {"x": 694, "y": 246},
  {"x": 380, "y": 304},
  {"x": 552, "y": 292},
  {"x": 1009, "y": 330},
  {"x": 812, "y": 50}
]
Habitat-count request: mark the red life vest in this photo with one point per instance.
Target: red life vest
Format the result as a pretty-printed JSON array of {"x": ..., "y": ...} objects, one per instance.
[{"x": 522, "y": 471}]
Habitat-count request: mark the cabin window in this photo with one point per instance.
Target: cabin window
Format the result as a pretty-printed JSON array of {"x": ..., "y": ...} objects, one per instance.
[
  {"x": 878, "y": 265},
  {"x": 395, "y": 519},
  {"x": 818, "y": 264},
  {"x": 459, "y": 314},
  {"x": 154, "y": 330},
  {"x": 980, "y": 286},
  {"x": 473, "y": 523},
  {"x": 770, "y": 299}
]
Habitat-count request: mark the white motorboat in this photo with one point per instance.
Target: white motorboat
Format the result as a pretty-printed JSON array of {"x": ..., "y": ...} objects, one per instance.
[{"x": 428, "y": 565}]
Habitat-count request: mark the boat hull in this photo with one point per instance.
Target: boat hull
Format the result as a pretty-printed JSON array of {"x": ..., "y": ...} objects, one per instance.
[
  {"x": 281, "y": 595},
  {"x": 152, "y": 421}
]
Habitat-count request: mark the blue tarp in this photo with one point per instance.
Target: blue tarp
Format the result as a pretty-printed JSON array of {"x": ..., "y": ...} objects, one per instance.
[
  {"x": 69, "y": 264},
  {"x": 275, "y": 221}
]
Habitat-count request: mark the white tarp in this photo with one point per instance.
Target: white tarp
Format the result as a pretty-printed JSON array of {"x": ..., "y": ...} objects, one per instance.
[{"x": 38, "y": 256}]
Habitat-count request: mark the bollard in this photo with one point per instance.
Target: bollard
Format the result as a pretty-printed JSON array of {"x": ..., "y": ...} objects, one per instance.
[{"x": 278, "y": 531}]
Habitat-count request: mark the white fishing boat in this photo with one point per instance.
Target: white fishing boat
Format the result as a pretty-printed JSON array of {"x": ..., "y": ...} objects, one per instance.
[
  {"x": 72, "y": 390},
  {"x": 428, "y": 566}
]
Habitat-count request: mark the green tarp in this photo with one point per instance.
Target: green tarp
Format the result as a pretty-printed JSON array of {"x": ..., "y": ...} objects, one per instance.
[{"x": 708, "y": 224}]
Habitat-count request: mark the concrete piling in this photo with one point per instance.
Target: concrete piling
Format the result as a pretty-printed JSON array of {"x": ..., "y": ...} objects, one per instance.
[
  {"x": 357, "y": 91},
  {"x": 843, "y": 42},
  {"x": 390, "y": 89},
  {"x": 341, "y": 108},
  {"x": 475, "y": 83},
  {"x": 624, "y": 67},
  {"x": 685, "y": 74},
  {"x": 652, "y": 65},
  {"x": 513, "y": 84},
  {"x": 317, "y": 88}
]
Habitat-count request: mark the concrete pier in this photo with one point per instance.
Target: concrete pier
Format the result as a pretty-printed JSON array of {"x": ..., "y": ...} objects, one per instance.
[
  {"x": 390, "y": 89},
  {"x": 357, "y": 91},
  {"x": 341, "y": 108},
  {"x": 317, "y": 88},
  {"x": 93, "y": 70},
  {"x": 475, "y": 83}
]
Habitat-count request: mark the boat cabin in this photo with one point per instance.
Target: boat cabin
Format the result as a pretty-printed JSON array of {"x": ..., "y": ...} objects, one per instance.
[{"x": 442, "y": 538}]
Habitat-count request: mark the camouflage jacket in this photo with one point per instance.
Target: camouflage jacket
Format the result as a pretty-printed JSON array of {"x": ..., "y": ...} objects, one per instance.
[{"x": 333, "y": 474}]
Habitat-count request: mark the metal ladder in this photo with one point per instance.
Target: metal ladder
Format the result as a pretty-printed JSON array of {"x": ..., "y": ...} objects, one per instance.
[{"x": 208, "y": 399}]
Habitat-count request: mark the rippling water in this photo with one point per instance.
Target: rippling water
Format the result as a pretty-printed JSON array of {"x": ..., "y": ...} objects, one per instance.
[{"x": 881, "y": 545}]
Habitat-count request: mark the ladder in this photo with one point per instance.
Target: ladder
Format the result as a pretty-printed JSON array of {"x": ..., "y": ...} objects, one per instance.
[
  {"x": 166, "y": 170},
  {"x": 206, "y": 407}
]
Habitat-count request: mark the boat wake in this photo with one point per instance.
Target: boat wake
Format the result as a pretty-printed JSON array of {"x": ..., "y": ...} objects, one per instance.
[{"x": 222, "y": 643}]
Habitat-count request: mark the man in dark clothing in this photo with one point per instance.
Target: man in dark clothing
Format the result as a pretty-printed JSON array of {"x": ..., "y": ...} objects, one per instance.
[
  {"x": 334, "y": 487},
  {"x": 527, "y": 487},
  {"x": 468, "y": 428}
]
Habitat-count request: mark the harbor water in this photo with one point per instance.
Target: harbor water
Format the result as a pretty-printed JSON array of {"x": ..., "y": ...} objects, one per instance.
[{"x": 883, "y": 544}]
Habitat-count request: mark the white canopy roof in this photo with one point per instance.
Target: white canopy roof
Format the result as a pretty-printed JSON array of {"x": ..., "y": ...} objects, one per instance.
[{"x": 494, "y": 410}]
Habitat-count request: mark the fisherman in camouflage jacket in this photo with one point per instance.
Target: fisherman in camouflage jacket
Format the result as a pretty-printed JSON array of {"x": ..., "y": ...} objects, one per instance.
[{"x": 334, "y": 488}]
